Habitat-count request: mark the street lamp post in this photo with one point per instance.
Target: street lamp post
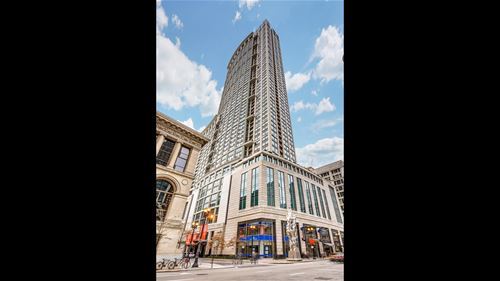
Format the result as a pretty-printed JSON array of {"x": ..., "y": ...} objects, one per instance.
[
  {"x": 193, "y": 226},
  {"x": 252, "y": 227},
  {"x": 206, "y": 213}
]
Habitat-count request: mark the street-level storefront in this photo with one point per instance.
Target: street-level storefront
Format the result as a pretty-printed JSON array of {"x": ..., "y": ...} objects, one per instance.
[
  {"x": 259, "y": 236},
  {"x": 336, "y": 241},
  {"x": 324, "y": 237},
  {"x": 311, "y": 240}
]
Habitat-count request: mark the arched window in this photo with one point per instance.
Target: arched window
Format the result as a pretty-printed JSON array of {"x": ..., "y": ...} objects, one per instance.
[{"x": 164, "y": 192}]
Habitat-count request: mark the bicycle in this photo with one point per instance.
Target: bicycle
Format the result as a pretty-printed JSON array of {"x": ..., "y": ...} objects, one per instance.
[
  {"x": 182, "y": 263},
  {"x": 162, "y": 264}
]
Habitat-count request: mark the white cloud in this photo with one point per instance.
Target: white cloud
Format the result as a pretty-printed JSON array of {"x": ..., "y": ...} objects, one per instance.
[
  {"x": 188, "y": 123},
  {"x": 181, "y": 82},
  {"x": 314, "y": 93},
  {"x": 329, "y": 48},
  {"x": 324, "y": 106},
  {"x": 201, "y": 128},
  {"x": 326, "y": 123},
  {"x": 161, "y": 18},
  {"x": 242, "y": 3},
  {"x": 177, "y": 21},
  {"x": 299, "y": 105},
  {"x": 296, "y": 81},
  {"x": 322, "y": 152},
  {"x": 248, "y": 3},
  {"x": 237, "y": 16},
  {"x": 299, "y": 119}
]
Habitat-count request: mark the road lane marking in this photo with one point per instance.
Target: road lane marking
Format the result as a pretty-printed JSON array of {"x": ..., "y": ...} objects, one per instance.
[
  {"x": 184, "y": 273},
  {"x": 297, "y": 273}
]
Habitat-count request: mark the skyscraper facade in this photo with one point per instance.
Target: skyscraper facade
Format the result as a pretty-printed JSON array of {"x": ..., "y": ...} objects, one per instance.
[
  {"x": 246, "y": 177},
  {"x": 334, "y": 172}
]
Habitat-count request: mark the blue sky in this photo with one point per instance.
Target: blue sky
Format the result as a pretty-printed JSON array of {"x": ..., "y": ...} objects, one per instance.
[{"x": 195, "y": 40}]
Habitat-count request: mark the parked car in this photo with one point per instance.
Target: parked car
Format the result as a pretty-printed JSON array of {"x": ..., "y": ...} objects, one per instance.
[{"x": 338, "y": 257}]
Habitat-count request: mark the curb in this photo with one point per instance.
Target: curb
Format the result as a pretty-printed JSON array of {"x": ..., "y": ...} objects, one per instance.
[
  {"x": 237, "y": 266},
  {"x": 204, "y": 268}
]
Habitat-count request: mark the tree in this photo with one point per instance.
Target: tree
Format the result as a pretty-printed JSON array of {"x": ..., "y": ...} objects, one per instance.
[
  {"x": 161, "y": 224},
  {"x": 218, "y": 243}
]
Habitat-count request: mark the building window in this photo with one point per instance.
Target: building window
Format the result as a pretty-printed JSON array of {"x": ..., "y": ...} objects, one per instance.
[
  {"x": 180, "y": 163},
  {"x": 326, "y": 204},
  {"x": 281, "y": 186},
  {"x": 258, "y": 236},
  {"x": 309, "y": 200},
  {"x": 243, "y": 195},
  {"x": 254, "y": 199},
  {"x": 315, "y": 196},
  {"x": 270, "y": 187},
  {"x": 335, "y": 205},
  {"x": 293, "y": 202},
  {"x": 301, "y": 196},
  {"x": 164, "y": 153},
  {"x": 321, "y": 202},
  {"x": 208, "y": 198},
  {"x": 164, "y": 193}
]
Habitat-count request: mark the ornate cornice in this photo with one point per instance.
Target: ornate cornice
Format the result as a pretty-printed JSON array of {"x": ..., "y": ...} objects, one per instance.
[{"x": 170, "y": 127}]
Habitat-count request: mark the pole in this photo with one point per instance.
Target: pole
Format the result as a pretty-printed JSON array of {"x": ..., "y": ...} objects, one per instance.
[
  {"x": 192, "y": 234},
  {"x": 212, "y": 266},
  {"x": 212, "y": 252},
  {"x": 195, "y": 264}
]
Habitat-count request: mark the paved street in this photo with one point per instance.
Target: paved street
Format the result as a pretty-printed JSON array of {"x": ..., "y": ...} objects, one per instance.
[{"x": 317, "y": 270}]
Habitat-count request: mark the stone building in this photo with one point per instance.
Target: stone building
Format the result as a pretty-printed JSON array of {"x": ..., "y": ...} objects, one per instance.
[{"x": 177, "y": 149}]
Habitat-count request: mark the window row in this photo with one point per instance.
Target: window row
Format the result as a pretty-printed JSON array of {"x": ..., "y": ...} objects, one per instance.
[
  {"x": 315, "y": 197},
  {"x": 164, "y": 155}
]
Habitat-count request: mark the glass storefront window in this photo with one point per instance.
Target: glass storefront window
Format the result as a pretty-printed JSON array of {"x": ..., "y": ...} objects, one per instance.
[
  {"x": 336, "y": 241},
  {"x": 311, "y": 240},
  {"x": 324, "y": 237},
  {"x": 256, "y": 235}
]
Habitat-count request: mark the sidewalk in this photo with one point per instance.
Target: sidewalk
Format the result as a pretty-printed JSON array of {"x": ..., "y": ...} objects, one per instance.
[{"x": 206, "y": 263}]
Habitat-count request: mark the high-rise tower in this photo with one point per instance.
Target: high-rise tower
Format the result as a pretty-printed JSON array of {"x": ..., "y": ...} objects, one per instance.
[
  {"x": 254, "y": 114},
  {"x": 246, "y": 176}
]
